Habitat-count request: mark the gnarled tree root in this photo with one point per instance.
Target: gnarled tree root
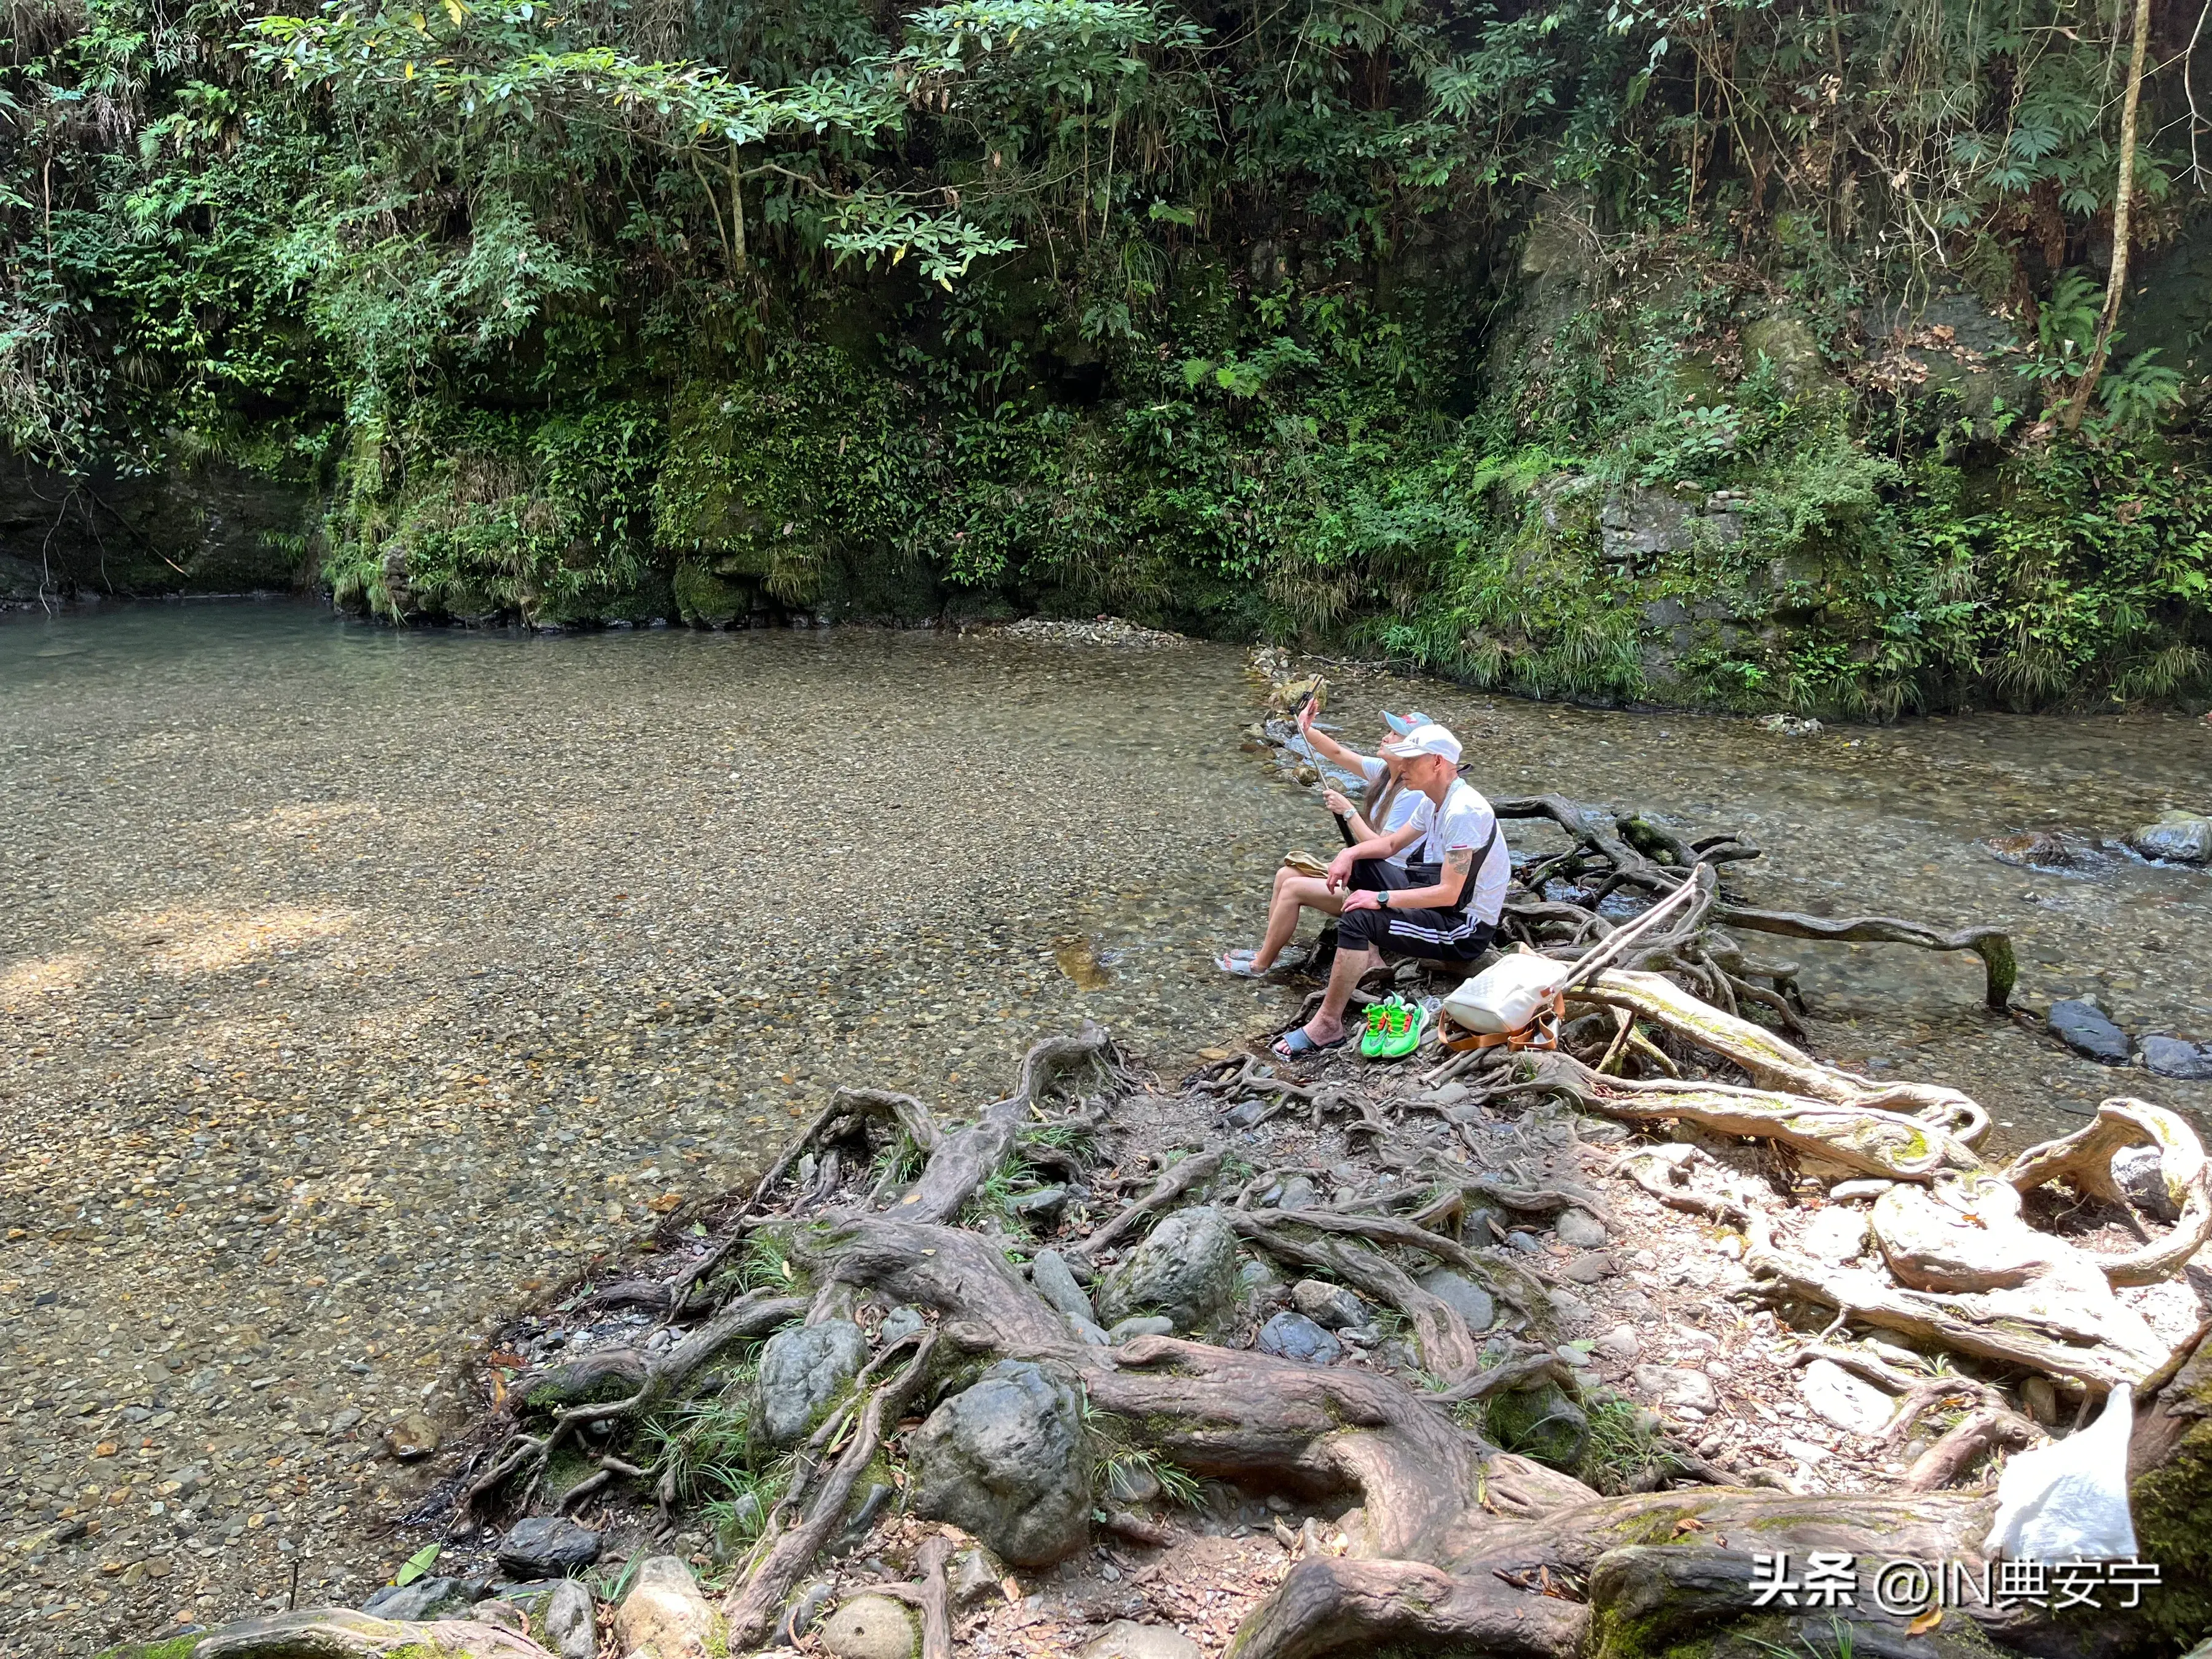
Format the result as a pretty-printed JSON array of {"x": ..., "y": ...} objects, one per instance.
[{"x": 1992, "y": 944}]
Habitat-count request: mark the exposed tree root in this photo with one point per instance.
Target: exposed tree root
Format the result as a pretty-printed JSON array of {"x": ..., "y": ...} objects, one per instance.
[
  {"x": 752, "y": 1605},
  {"x": 1445, "y": 1539},
  {"x": 1993, "y": 946}
]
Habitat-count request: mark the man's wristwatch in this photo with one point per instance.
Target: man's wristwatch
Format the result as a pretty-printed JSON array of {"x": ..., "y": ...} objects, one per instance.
[{"x": 1383, "y": 898}]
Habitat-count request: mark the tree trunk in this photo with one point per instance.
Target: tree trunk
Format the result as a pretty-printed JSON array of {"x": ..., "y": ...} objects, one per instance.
[{"x": 2122, "y": 201}]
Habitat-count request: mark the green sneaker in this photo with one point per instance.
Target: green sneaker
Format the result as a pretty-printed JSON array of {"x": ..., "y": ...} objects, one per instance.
[
  {"x": 1402, "y": 1032},
  {"x": 1378, "y": 1027}
]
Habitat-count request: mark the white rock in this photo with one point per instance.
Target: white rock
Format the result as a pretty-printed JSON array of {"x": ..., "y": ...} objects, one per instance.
[
  {"x": 664, "y": 1615},
  {"x": 870, "y": 1627},
  {"x": 1126, "y": 1639},
  {"x": 1843, "y": 1400},
  {"x": 1621, "y": 1343},
  {"x": 1835, "y": 1234},
  {"x": 1674, "y": 1387}
]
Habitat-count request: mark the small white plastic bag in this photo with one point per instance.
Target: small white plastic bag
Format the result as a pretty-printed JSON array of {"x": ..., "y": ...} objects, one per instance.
[{"x": 2068, "y": 1501}]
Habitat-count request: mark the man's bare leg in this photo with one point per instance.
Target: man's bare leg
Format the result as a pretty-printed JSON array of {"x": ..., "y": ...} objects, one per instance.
[
  {"x": 1293, "y": 893},
  {"x": 1327, "y": 1022}
]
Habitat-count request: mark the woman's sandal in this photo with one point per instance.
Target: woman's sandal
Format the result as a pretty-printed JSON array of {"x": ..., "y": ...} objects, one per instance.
[{"x": 1296, "y": 1045}]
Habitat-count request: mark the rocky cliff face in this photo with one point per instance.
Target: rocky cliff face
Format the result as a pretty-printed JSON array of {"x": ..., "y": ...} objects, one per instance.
[{"x": 209, "y": 529}]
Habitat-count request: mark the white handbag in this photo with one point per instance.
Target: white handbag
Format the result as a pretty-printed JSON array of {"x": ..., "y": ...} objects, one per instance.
[{"x": 1508, "y": 995}]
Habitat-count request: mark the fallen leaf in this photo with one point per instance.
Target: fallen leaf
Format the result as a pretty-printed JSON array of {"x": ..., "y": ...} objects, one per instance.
[{"x": 1926, "y": 1622}]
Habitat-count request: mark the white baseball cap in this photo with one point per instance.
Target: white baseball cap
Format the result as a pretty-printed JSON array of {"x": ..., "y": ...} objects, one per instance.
[{"x": 1430, "y": 739}]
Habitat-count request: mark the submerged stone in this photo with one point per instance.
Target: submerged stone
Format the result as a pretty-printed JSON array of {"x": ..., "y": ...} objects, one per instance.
[
  {"x": 2177, "y": 1057},
  {"x": 2176, "y": 838},
  {"x": 2087, "y": 1029}
]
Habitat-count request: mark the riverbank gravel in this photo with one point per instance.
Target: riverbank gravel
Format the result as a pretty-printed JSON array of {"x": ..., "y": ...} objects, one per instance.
[{"x": 360, "y": 989}]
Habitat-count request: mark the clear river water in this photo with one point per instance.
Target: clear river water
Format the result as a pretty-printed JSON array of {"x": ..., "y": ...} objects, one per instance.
[{"x": 361, "y": 985}]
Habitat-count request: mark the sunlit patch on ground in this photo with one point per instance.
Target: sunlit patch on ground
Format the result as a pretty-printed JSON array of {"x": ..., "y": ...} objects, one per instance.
[
  {"x": 305, "y": 817},
  {"x": 20, "y": 981},
  {"x": 207, "y": 941}
]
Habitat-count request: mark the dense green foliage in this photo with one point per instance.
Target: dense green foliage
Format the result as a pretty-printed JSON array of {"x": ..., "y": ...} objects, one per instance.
[{"x": 1577, "y": 347}]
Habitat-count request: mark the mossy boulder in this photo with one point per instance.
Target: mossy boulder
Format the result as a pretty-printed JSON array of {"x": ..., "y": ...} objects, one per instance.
[
  {"x": 706, "y": 600},
  {"x": 2170, "y": 1491},
  {"x": 1543, "y": 1422}
]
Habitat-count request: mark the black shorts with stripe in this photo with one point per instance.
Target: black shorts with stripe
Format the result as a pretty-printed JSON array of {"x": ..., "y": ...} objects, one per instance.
[{"x": 1438, "y": 935}]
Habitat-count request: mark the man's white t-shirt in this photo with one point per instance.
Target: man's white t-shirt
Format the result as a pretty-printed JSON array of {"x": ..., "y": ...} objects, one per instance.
[
  {"x": 1465, "y": 820},
  {"x": 1399, "y": 812}
]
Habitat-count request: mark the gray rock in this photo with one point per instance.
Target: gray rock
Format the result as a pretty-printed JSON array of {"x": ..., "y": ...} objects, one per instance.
[
  {"x": 974, "y": 1575},
  {"x": 1186, "y": 1269},
  {"x": 1848, "y": 1402},
  {"x": 1588, "y": 1269},
  {"x": 1087, "y": 1332},
  {"x": 425, "y": 1598},
  {"x": 1580, "y": 1228},
  {"x": 1676, "y": 1386},
  {"x": 1130, "y": 1483},
  {"x": 1126, "y": 1639},
  {"x": 1293, "y": 1336},
  {"x": 2177, "y": 1057},
  {"x": 1836, "y": 1233},
  {"x": 799, "y": 1618},
  {"x": 2087, "y": 1029},
  {"x": 1621, "y": 1343},
  {"x": 2176, "y": 838},
  {"x": 1298, "y": 1193},
  {"x": 2141, "y": 1173},
  {"x": 1570, "y": 1308},
  {"x": 1005, "y": 1461},
  {"x": 1524, "y": 1242},
  {"x": 1461, "y": 1294},
  {"x": 1049, "y": 1274},
  {"x": 870, "y": 1627},
  {"x": 1128, "y": 1330},
  {"x": 547, "y": 1546},
  {"x": 1330, "y": 1306},
  {"x": 803, "y": 1369},
  {"x": 571, "y": 1622},
  {"x": 1039, "y": 1201},
  {"x": 900, "y": 1323},
  {"x": 1257, "y": 1282}
]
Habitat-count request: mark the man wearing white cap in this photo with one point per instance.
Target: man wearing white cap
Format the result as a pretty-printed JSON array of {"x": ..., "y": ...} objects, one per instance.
[
  {"x": 1390, "y": 802},
  {"x": 1445, "y": 906}
]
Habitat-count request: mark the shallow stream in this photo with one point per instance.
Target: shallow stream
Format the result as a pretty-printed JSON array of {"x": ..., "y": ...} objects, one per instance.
[{"x": 359, "y": 985}]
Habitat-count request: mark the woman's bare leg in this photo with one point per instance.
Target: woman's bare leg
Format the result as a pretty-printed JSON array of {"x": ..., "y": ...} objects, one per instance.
[{"x": 1293, "y": 893}]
